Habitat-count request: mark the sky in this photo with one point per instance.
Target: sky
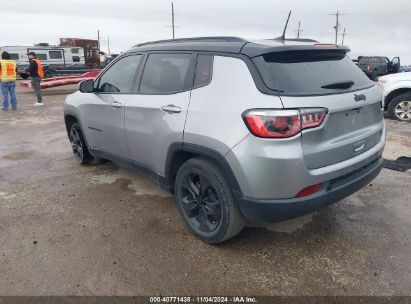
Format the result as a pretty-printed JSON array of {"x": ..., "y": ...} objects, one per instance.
[{"x": 379, "y": 27}]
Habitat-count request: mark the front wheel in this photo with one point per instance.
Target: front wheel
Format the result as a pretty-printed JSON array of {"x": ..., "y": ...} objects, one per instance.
[
  {"x": 48, "y": 74},
  {"x": 78, "y": 144},
  {"x": 400, "y": 107},
  {"x": 206, "y": 203}
]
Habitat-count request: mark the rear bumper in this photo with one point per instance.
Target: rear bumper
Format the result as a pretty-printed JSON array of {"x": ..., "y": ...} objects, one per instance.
[{"x": 268, "y": 211}]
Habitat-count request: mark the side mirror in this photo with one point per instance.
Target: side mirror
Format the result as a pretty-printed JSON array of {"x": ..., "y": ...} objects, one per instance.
[{"x": 87, "y": 86}]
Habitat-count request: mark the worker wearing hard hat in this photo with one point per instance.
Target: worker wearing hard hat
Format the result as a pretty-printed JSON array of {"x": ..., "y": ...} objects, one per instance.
[
  {"x": 36, "y": 73},
  {"x": 8, "y": 72}
]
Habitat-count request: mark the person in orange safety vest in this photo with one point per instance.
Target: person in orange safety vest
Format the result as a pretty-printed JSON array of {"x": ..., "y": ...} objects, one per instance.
[
  {"x": 8, "y": 74},
  {"x": 36, "y": 74}
]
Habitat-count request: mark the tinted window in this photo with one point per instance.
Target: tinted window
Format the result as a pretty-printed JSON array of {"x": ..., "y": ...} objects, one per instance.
[
  {"x": 203, "y": 71},
  {"x": 166, "y": 73},
  {"x": 76, "y": 59},
  {"x": 41, "y": 56},
  {"x": 307, "y": 72},
  {"x": 120, "y": 76},
  {"x": 14, "y": 56},
  {"x": 55, "y": 55},
  {"x": 75, "y": 51}
]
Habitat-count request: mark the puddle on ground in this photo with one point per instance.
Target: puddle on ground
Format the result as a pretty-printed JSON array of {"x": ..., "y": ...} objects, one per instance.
[
  {"x": 292, "y": 225},
  {"x": 17, "y": 155},
  {"x": 139, "y": 183}
]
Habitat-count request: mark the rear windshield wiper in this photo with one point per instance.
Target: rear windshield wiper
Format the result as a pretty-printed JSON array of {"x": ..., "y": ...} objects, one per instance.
[{"x": 339, "y": 85}]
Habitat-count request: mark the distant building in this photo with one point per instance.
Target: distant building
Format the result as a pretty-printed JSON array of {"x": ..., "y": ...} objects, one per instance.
[{"x": 91, "y": 50}]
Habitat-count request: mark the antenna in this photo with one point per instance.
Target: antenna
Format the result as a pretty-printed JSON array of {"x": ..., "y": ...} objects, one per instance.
[{"x": 285, "y": 27}]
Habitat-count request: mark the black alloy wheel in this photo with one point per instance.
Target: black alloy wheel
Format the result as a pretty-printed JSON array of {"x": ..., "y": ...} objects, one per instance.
[
  {"x": 205, "y": 201},
  {"x": 78, "y": 144},
  {"x": 201, "y": 202}
]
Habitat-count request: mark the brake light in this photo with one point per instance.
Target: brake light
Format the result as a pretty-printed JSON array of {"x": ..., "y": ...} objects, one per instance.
[
  {"x": 312, "y": 118},
  {"x": 369, "y": 67},
  {"x": 282, "y": 123},
  {"x": 309, "y": 190}
]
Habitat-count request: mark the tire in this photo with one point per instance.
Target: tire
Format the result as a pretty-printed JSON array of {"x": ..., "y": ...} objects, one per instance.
[
  {"x": 78, "y": 145},
  {"x": 400, "y": 107},
  {"x": 48, "y": 74},
  {"x": 206, "y": 203}
]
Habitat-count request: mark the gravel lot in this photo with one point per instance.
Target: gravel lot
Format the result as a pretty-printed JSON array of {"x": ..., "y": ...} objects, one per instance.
[{"x": 67, "y": 229}]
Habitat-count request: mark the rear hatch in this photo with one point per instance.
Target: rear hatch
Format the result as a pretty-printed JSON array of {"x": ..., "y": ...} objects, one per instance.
[{"x": 327, "y": 78}]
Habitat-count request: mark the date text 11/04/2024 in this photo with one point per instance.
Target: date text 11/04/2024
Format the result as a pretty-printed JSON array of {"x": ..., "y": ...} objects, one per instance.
[{"x": 203, "y": 299}]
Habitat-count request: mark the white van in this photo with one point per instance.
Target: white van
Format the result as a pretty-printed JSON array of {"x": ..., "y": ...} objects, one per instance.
[{"x": 53, "y": 58}]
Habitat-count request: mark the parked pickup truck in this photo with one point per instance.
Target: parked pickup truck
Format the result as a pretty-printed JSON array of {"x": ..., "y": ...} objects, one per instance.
[
  {"x": 397, "y": 95},
  {"x": 374, "y": 66}
]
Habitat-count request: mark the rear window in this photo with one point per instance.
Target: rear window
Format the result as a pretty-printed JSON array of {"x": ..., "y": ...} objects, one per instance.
[{"x": 311, "y": 72}]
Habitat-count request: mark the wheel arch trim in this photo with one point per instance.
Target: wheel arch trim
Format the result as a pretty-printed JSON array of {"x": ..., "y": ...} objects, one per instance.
[
  {"x": 73, "y": 114},
  {"x": 395, "y": 90},
  {"x": 178, "y": 153}
]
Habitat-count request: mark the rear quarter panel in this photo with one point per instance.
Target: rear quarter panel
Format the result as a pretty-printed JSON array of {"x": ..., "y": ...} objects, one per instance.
[{"x": 214, "y": 116}]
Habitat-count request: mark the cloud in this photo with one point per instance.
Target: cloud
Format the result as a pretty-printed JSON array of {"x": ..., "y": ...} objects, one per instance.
[{"x": 373, "y": 27}]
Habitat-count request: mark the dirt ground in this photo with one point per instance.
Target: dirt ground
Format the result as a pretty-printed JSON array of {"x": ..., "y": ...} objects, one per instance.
[{"x": 67, "y": 229}]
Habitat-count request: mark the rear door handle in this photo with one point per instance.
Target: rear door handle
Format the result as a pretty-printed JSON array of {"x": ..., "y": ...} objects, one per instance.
[
  {"x": 116, "y": 105},
  {"x": 171, "y": 109}
]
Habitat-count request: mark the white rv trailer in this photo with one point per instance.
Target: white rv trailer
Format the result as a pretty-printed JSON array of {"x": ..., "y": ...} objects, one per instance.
[{"x": 52, "y": 57}]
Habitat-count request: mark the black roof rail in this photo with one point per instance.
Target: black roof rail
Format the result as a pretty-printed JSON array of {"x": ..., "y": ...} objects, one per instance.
[
  {"x": 196, "y": 39},
  {"x": 295, "y": 39}
]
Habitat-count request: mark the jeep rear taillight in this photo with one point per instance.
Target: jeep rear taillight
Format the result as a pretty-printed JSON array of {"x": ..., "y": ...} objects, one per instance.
[
  {"x": 369, "y": 68},
  {"x": 311, "y": 118},
  {"x": 282, "y": 123}
]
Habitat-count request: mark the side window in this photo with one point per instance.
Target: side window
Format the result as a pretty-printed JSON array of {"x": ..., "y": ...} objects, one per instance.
[
  {"x": 166, "y": 74},
  {"x": 120, "y": 76},
  {"x": 76, "y": 59},
  {"x": 74, "y": 51},
  {"x": 204, "y": 70},
  {"x": 55, "y": 55},
  {"x": 41, "y": 57},
  {"x": 14, "y": 56}
]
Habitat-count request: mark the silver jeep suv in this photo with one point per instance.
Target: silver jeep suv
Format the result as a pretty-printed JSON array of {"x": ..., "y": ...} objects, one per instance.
[{"x": 238, "y": 130}]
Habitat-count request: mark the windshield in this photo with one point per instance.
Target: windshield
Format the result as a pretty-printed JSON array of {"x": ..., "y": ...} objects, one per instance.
[{"x": 311, "y": 72}]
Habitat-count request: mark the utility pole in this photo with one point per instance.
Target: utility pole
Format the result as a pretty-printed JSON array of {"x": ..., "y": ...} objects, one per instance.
[
  {"x": 98, "y": 39},
  {"x": 299, "y": 30},
  {"x": 108, "y": 44},
  {"x": 337, "y": 25},
  {"x": 172, "y": 18},
  {"x": 173, "y": 24},
  {"x": 343, "y": 36}
]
